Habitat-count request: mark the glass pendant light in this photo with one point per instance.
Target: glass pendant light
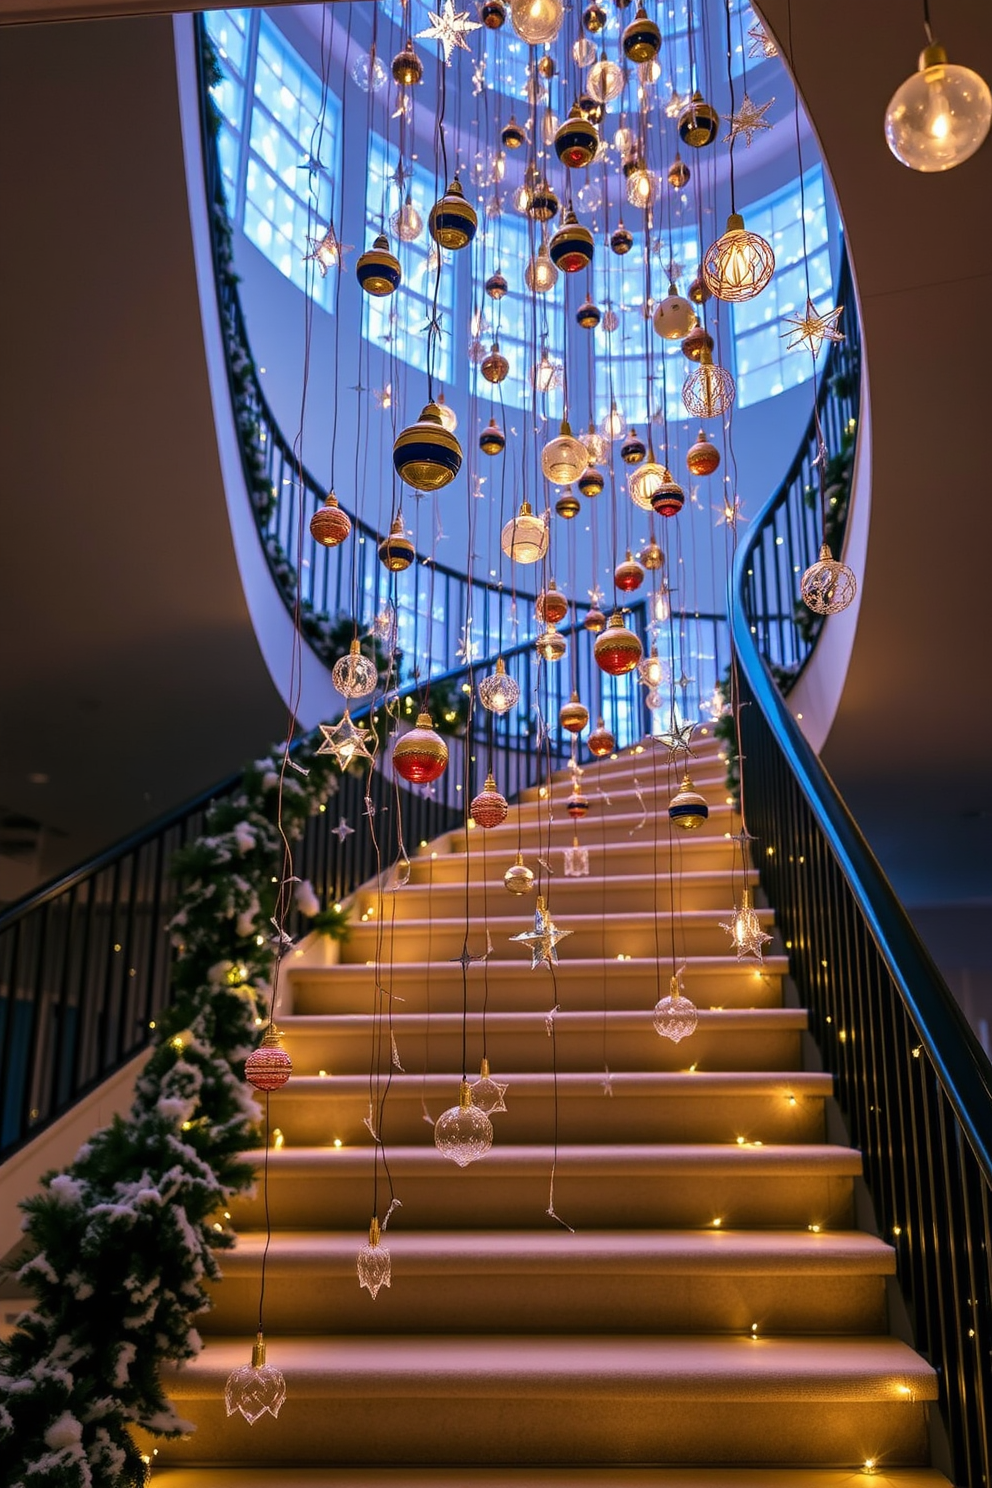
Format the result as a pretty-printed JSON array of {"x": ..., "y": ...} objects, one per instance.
[{"x": 940, "y": 116}]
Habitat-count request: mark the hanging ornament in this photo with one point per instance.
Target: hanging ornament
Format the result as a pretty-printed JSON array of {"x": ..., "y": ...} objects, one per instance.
[
  {"x": 551, "y": 606},
  {"x": 426, "y": 455},
  {"x": 687, "y": 808},
  {"x": 492, "y": 14},
  {"x": 703, "y": 457},
  {"x": 940, "y": 116},
  {"x": 543, "y": 203},
  {"x": 524, "y": 538},
  {"x": 448, "y": 29},
  {"x": 407, "y": 222},
  {"x": 329, "y": 525},
  {"x": 420, "y": 755},
  {"x": 496, "y": 286},
  {"x": 512, "y": 135},
  {"x": 642, "y": 186},
  {"x": 269, "y": 1066},
  {"x": 601, "y": 741},
  {"x": 396, "y": 551},
  {"x": 577, "y": 805},
  {"x": 373, "y": 1263},
  {"x": 613, "y": 425},
  {"x": 739, "y": 265},
  {"x": 678, "y": 173},
  {"x": 407, "y": 68},
  {"x": 540, "y": 275},
  {"x": 448, "y": 416},
  {"x": 617, "y": 650},
  {"x": 628, "y": 575},
  {"x": 588, "y": 315},
  {"x": 345, "y": 741},
  {"x": 495, "y": 368},
  {"x": 576, "y": 860},
  {"x": 696, "y": 342},
  {"x": 641, "y": 40},
  {"x": 651, "y": 671},
  {"x": 542, "y": 941},
  {"x": 487, "y": 1093},
  {"x": 674, "y": 317},
  {"x": 476, "y": 352},
  {"x": 621, "y": 240},
  {"x": 255, "y": 1388},
  {"x": 576, "y": 140},
  {"x": 537, "y": 22},
  {"x": 571, "y": 247},
  {"x": 633, "y": 450},
  {"x": 828, "y": 586},
  {"x": 709, "y": 391},
  {"x": 463, "y": 1132},
  {"x": 699, "y": 122},
  {"x": 492, "y": 440},
  {"x": 518, "y": 878},
  {"x": 377, "y": 270},
  {"x": 745, "y": 930},
  {"x": 651, "y": 557},
  {"x": 499, "y": 692},
  {"x": 573, "y": 716},
  {"x": 489, "y": 807},
  {"x": 590, "y": 482},
  {"x": 605, "y": 80},
  {"x": 583, "y": 52},
  {"x": 594, "y": 19},
  {"x": 546, "y": 375},
  {"x": 747, "y": 121},
  {"x": 648, "y": 478},
  {"x": 595, "y": 620},
  {"x": 550, "y": 645},
  {"x": 698, "y": 292},
  {"x": 354, "y": 675},
  {"x": 668, "y": 497},
  {"x": 546, "y": 66},
  {"x": 368, "y": 73},
  {"x": 808, "y": 329},
  {"x": 563, "y": 459},
  {"x": 675, "y": 1017},
  {"x": 452, "y": 222},
  {"x": 596, "y": 445}
]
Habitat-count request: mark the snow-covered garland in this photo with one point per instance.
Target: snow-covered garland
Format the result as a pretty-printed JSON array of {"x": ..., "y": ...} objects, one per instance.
[{"x": 122, "y": 1242}]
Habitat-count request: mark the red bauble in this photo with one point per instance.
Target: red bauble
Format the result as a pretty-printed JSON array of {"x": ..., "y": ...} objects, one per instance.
[
  {"x": 668, "y": 500},
  {"x": 628, "y": 575},
  {"x": 420, "y": 755},
  {"x": 595, "y": 620},
  {"x": 489, "y": 807},
  {"x": 703, "y": 457},
  {"x": 268, "y": 1067},
  {"x": 617, "y": 650},
  {"x": 577, "y": 806},
  {"x": 329, "y": 525},
  {"x": 552, "y": 605},
  {"x": 601, "y": 741}
]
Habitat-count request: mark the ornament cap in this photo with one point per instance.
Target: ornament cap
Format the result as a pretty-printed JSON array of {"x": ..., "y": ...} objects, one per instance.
[
  {"x": 355, "y": 649},
  {"x": 933, "y": 55},
  {"x": 258, "y": 1352},
  {"x": 331, "y": 500},
  {"x": 484, "y": 1069},
  {"x": 674, "y": 990},
  {"x": 490, "y": 784},
  {"x": 380, "y": 242},
  {"x": 431, "y": 414},
  {"x": 735, "y": 222},
  {"x": 374, "y": 1232},
  {"x": 271, "y": 1039},
  {"x": 424, "y": 719},
  {"x": 500, "y": 667},
  {"x": 464, "y": 1095},
  {"x": 825, "y": 554},
  {"x": 566, "y": 430},
  {"x": 526, "y": 510}
]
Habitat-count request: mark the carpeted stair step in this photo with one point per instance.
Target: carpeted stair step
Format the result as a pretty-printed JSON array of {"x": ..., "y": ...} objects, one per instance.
[
  {"x": 633, "y": 848},
  {"x": 595, "y": 1281},
  {"x": 616, "y": 829},
  {"x": 532, "y": 1477}
]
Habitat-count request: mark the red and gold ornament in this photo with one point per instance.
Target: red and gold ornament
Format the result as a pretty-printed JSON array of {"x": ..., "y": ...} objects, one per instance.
[
  {"x": 269, "y": 1066},
  {"x": 617, "y": 650},
  {"x": 420, "y": 755},
  {"x": 489, "y": 807}
]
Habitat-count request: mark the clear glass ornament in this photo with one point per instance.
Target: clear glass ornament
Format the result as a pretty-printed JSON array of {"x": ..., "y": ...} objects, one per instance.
[
  {"x": 537, "y": 22},
  {"x": 828, "y": 586},
  {"x": 610, "y": 320},
  {"x": 605, "y": 80},
  {"x": 939, "y": 116},
  {"x": 499, "y": 692},
  {"x": 540, "y": 275},
  {"x": 576, "y": 860},
  {"x": 487, "y": 1093},
  {"x": 368, "y": 73},
  {"x": 675, "y": 1017},
  {"x": 255, "y": 1388},
  {"x": 642, "y": 188},
  {"x": 589, "y": 198},
  {"x": 563, "y": 459},
  {"x": 354, "y": 675},
  {"x": 476, "y": 352},
  {"x": 463, "y": 1133},
  {"x": 623, "y": 141},
  {"x": 583, "y": 52},
  {"x": 614, "y": 425},
  {"x": 549, "y": 127},
  {"x": 596, "y": 446},
  {"x": 545, "y": 375},
  {"x": 524, "y": 538},
  {"x": 653, "y": 699},
  {"x": 373, "y": 1263}
]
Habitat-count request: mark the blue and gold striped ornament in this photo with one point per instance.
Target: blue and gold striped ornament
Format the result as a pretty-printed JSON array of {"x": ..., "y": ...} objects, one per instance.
[
  {"x": 687, "y": 809},
  {"x": 453, "y": 221},
  {"x": 492, "y": 440},
  {"x": 427, "y": 455},
  {"x": 571, "y": 247},
  {"x": 641, "y": 40},
  {"x": 621, "y": 240},
  {"x": 576, "y": 140},
  {"x": 378, "y": 271},
  {"x": 543, "y": 202},
  {"x": 698, "y": 122},
  {"x": 588, "y": 315},
  {"x": 396, "y": 551}
]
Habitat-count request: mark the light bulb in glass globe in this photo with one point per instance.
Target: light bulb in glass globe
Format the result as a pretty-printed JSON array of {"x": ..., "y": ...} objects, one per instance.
[
  {"x": 537, "y": 21},
  {"x": 642, "y": 187},
  {"x": 675, "y": 1017},
  {"x": 709, "y": 390},
  {"x": 407, "y": 222},
  {"x": 614, "y": 425},
  {"x": 499, "y": 692},
  {"x": 605, "y": 80},
  {"x": 524, "y": 539},
  {"x": 354, "y": 675},
  {"x": 373, "y": 1263},
  {"x": 540, "y": 275},
  {"x": 596, "y": 445},
  {"x": 940, "y": 116},
  {"x": 739, "y": 265},
  {"x": 463, "y": 1133},
  {"x": 646, "y": 481},
  {"x": 545, "y": 375},
  {"x": 487, "y": 1093},
  {"x": 564, "y": 459}
]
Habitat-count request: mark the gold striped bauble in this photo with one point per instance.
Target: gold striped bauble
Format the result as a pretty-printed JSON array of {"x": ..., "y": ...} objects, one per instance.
[
  {"x": 588, "y": 315},
  {"x": 568, "y": 505},
  {"x": 633, "y": 450},
  {"x": 628, "y": 575},
  {"x": 492, "y": 14},
  {"x": 551, "y": 606},
  {"x": 543, "y": 203},
  {"x": 577, "y": 805},
  {"x": 396, "y": 552},
  {"x": 420, "y": 755},
  {"x": 687, "y": 809},
  {"x": 453, "y": 221},
  {"x": 617, "y": 650},
  {"x": 590, "y": 482},
  {"x": 378, "y": 271},
  {"x": 489, "y": 807},
  {"x": 576, "y": 140},
  {"x": 667, "y": 496},
  {"x": 621, "y": 240},
  {"x": 329, "y": 525},
  {"x": 495, "y": 368},
  {"x": 573, "y": 715},
  {"x": 492, "y": 440},
  {"x": 571, "y": 247},
  {"x": 427, "y": 455},
  {"x": 601, "y": 742},
  {"x": 513, "y": 136},
  {"x": 698, "y": 122},
  {"x": 641, "y": 40},
  {"x": 496, "y": 286},
  {"x": 595, "y": 620},
  {"x": 702, "y": 459}
]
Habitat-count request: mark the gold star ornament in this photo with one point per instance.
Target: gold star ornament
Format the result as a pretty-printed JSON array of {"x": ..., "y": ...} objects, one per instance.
[
  {"x": 748, "y": 120},
  {"x": 448, "y": 29},
  {"x": 810, "y": 329}
]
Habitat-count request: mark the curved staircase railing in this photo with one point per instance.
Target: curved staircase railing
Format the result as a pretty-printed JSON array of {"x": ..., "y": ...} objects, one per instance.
[{"x": 911, "y": 1078}]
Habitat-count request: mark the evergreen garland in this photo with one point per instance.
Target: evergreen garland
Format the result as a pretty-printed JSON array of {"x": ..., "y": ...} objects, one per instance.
[{"x": 122, "y": 1242}]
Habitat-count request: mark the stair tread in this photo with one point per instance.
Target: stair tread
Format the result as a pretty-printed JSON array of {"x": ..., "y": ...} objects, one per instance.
[
  {"x": 773, "y": 965},
  {"x": 689, "y": 1367},
  {"x": 714, "y": 1159},
  {"x": 680, "y": 1083},
  {"x": 510, "y": 923},
  {"x": 550, "y": 1477},
  {"x": 730, "y": 1019}
]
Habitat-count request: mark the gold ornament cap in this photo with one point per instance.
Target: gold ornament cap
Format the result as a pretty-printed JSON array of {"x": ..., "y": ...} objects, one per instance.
[
  {"x": 258, "y": 1352},
  {"x": 374, "y": 1232}
]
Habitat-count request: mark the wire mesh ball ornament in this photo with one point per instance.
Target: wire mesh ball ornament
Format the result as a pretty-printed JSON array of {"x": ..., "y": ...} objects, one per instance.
[
  {"x": 576, "y": 140},
  {"x": 551, "y": 606},
  {"x": 674, "y": 317},
  {"x": 463, "y": 1133},
  {"x": 697, "y": 342},
  {"x": 641, "y": 40},
  {"x": 675, "y": 1017},
  {"x": 571, "y": 247},
  {"x": 551, "y": 646},
  {"x": 688, "y": 809},
  {"x": 605, "y": 80},
  {"x": 524, "y": 538},
  {"x": 496, "y": 286},
  {"x": 452, "y": 222},
  {"x": 269, "y": 1066},
  {"x": 540, "y": 274},
  {"x": 651, "y": 557},
  {"x": 678, "y": 173},
  {"x": 354, "y": 675},
  {"x": 594, "y": 19},
  {"x": 601, "y": 741},
  {"x": 537, "y": 22},
  {"x": 621, "y": 240},
  {"x": 420, "y": 755},
  {"x": 633, "y": 449},
  {"x": 255, "y": 1388},
  {"x": 590, "y": 482},
  {"x": 329, "y": 525},
  {"x": 573, "y": 715},
  {"x": 518, "y": 878},
  {"x": 406, "y": 67},
  {"x": 396, "y": 551},
  {"x": 739, "y": 265},
  {"x": 595, "y": 620},
  {"x": 563, "y": 458},
  {"x": 426, "y": 455},
  {"x": 628, "y": 575},
  {"x": 499, "y": 692},
  {"x": 588, "y": 315},
  {"x": 512, "y": 135},
  {"x": 616, "y": 650},
  {"x": 702, "y": 457},
  {"x": 577, "y": 805},
  {"x": 373, "y": 1263},
  {"x": 377, "y": 270},
  {"x": 668, "y": 497},
  {"x": 698, "y": 122},
  {"x": 495, "y": 368},
  {"x": 487, "y": 1093},
  {"x": 492, "y": 14},
  {"x": 827, "y": 586},
  {"x": 643, "y": 482},
  {"x": 489, "y": 807},
  {"x": 709, "y": 390},
  {"x": 406, "y": 222},
  {"x": 492, "y": 440}
]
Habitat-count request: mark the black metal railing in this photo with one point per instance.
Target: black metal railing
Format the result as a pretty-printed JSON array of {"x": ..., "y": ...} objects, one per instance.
[{"x": 911, "y": 1078}]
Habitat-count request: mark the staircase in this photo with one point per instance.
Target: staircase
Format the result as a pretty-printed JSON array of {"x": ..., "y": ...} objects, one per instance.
[{"x": 715, "y": 1310}]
